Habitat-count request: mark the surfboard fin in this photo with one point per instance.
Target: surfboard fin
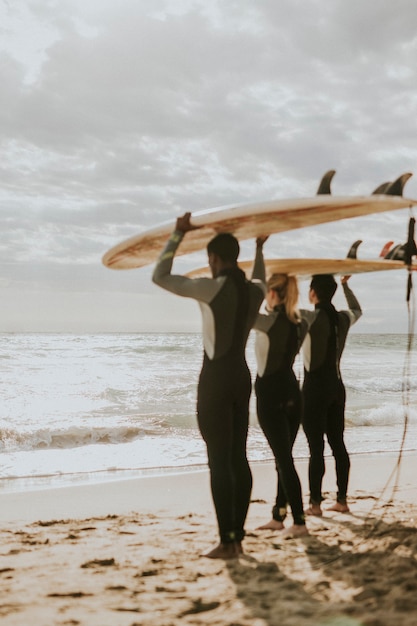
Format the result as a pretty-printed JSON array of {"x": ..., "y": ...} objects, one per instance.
[
  {"x": 394, "y": 188},
  {"x": 324, "y": 187},
  {"x": 402, "y": 251},
  {"x": 380, "y": 189},
  {"x": 354, "y": 249},
  {"x": 397, "y": 253},
  {"x": 385, "y": 249}
]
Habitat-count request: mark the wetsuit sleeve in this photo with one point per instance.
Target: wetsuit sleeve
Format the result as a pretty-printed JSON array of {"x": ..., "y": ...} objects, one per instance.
[
  {"x": 302, "y": 330},
  {"x": 264, "y": 322},
  {"x": 202, "y": 289},
  {"x": 355, "y": 310},
  {"x": 262, "y": 326},
  {"x": 258, "y": 272},
  {"x": 308, "y": 317}
]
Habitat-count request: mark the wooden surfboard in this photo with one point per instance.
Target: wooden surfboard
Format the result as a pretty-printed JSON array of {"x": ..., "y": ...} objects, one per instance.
[
  {"x": 304, "y": 268},
  {"x": 256, "y": 219}
]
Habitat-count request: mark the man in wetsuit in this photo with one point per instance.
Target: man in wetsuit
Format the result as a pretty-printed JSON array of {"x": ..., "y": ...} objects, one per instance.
[
  {"x": 324, "y": 394},
  {"x": 229, "y": 305}
]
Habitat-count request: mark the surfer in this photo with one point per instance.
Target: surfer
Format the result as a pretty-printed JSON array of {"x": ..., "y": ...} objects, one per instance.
[
  {"x": 229, "y": 304},
  {"x": 323, "y": 391},
  {"x": 279, "y": 336}
]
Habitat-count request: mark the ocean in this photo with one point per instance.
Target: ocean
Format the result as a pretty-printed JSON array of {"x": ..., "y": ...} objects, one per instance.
[{"x": 84, "y": 408}]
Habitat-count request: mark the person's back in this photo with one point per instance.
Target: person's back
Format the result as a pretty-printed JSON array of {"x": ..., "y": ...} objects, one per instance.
[
  {"x": 279, "y": 335},
  {"x": 230, "y": 314},
  {"x": 229, "y": 303},
  {"x": 326, "y": 338},
  {"x": 324, "y": 394}
]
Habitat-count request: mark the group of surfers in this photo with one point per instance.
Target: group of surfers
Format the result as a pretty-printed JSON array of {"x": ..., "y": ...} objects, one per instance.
[{"x": 230, "y": 307}]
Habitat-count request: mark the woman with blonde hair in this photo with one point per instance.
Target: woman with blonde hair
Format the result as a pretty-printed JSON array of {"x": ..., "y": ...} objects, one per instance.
[{"x": 279, "y": 335}]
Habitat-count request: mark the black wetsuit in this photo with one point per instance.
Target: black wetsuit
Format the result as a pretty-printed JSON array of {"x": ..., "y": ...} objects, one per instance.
[
  {"x": 229, "y": 305},
  {"x": 324, "y": 394},
  {"x": 278, "y": 398}
]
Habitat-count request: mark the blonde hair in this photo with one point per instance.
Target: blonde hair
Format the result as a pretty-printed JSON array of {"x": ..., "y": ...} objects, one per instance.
[{"x": 287, "y": 289}]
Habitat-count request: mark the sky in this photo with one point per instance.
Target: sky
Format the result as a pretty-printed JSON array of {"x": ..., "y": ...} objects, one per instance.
[{"x": 117, "y": 115}]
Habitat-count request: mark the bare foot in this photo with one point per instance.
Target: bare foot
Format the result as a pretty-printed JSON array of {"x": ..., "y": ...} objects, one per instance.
[
  {"x": 340, "y": 507},
  {"x": 314, "y": 509},
  {"x": 225, "y": 551},
  {"x": 297, "y": 530},
  {"x": 272, "y": 525}
]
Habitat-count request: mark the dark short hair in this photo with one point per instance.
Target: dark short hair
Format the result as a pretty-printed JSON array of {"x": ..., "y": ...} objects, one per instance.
[
  {"x": 226, "y": 246},
  {"x": 324, "y": 285}
]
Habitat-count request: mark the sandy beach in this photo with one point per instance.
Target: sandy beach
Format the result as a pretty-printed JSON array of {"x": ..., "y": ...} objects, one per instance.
[{"x": 128, "y": 553}]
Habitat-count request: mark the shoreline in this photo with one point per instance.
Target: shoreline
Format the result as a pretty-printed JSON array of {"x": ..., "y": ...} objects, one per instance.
[
  {"x": 29, "y": 483},
  {"x": 156, "y": 492}
]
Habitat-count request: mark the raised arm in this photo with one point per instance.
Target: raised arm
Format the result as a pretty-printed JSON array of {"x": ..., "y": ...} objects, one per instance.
[
  {"x": 202, "y": 289},
  {"x": 258, "y": 272},
  {"x": 355, "y": 310}
]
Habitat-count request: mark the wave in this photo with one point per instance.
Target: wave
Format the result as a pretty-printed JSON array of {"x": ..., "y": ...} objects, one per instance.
[
  {"x": 74, "y": 437},
  {"x": 381, "y": 384},
  {"x": 389, "y": 414},
  {"x": 11, "y": 441}
]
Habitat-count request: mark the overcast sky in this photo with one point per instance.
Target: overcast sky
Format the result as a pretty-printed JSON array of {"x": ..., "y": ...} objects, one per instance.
[{"x": 117, "y": 115}]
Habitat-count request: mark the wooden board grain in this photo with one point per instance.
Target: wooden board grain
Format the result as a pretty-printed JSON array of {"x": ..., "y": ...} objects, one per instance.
[
  {"x": 308, "y": 267},
  {"x": 249, "y": 221}
]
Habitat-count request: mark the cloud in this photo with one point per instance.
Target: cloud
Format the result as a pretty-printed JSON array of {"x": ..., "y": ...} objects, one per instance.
[{"x": 119, "y": 116}]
